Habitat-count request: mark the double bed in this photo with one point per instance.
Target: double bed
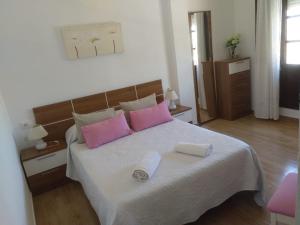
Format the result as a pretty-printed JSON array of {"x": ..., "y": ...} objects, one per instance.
[{"x": 183, "y": 186}]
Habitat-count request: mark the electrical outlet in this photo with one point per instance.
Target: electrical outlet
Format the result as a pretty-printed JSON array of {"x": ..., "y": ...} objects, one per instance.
[{"x": 26, "y": 124}]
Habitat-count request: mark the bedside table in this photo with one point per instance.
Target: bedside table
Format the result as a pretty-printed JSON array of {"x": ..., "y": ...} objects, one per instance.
[
  {"x": 45, "y": 169},
  {"x": 183, "y": 113}
]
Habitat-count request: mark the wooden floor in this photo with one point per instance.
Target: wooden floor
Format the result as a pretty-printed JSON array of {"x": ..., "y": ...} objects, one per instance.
[{"x": 275, "y": 143}]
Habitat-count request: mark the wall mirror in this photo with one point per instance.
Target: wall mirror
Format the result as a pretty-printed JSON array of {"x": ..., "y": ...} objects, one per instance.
[{"x": 203, "y": 67}]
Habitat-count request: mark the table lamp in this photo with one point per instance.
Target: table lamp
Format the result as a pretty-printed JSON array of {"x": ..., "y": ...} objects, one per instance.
[
  {"x": 172, "y": 97},
  {"x": 36, "y": 133}
]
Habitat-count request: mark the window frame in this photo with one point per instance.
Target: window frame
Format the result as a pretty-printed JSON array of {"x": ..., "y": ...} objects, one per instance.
[{"x": 284, "y": 40}]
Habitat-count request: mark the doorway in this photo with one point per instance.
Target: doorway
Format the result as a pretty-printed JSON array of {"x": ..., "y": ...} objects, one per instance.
[{"x": 203, "y": 68}]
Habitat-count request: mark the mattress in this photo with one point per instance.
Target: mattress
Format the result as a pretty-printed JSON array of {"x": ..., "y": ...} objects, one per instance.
[{"x": 183, "y": 187}]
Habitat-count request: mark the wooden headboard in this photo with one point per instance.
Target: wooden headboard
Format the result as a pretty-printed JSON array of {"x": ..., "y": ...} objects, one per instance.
[{"x": 57, "y": 118}]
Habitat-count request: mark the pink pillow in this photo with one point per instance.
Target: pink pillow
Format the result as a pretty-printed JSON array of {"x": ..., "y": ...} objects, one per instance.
[
  {"x": 149, "y": 117},
  {"x": 100, "y": 133}
]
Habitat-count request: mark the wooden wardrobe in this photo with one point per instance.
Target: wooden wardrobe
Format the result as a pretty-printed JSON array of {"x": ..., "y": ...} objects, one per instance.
[{"x": 233, "y": 80}]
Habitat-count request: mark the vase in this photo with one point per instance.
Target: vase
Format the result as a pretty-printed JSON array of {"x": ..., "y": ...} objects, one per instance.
[{"x": 232, "y": 52}]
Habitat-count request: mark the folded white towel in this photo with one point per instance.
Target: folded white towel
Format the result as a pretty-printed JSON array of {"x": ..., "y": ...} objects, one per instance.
[
  {"x": 145, "y": 169},
  {"x": 202, "y": 150}
]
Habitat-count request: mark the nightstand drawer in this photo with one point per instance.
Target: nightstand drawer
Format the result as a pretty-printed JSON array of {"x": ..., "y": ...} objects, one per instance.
[
  {"x": 46, "y": 162},
  {"x": 47, "y": 180},
  {"x": 185, "y": 116},
  {"x": 239, "y": 66}
]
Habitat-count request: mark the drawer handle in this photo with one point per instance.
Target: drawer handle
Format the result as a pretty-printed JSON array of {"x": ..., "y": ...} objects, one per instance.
[
  {"x": 46, "y": 157},
  {"x": 180, "y": 114}
]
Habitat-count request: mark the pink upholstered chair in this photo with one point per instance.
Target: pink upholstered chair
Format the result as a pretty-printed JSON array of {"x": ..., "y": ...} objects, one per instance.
[{"x": 282, "y": 205}]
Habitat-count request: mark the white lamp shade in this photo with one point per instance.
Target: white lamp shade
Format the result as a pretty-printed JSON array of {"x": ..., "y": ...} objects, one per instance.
[
  {"x": 36, "y": 133},
  {"x": 171, "y": 95}
]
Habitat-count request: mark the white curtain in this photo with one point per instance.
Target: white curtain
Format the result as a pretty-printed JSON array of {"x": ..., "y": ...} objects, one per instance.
[{"x": 267, "y": 60}]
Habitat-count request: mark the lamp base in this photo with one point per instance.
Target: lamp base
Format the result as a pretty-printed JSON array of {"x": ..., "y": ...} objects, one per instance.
[
  {"x": 172, "y": 105},
  {"x": 41, "y": 145}
]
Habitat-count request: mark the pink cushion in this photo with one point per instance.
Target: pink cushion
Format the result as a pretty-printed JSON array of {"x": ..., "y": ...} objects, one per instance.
[
  {"x": 284, "y": 200},
  {"x": 99, "y": 133},
  {"x": 149, "y": 117}
]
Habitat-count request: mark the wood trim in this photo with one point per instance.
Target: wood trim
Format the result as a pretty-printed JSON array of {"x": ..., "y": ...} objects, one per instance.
[
  {"x": 209, "y": 35},
  {"x": 149, "y": 88},
  {"x": 289, "y": 73},
  {"x": 57, "y": 117},
  {"x": 47, "y": 180},
  {"x": 121, "y": 95},
  {"x": 223, "y": 89},
  {"x": 57, "y": 131},
  {"x": 196, "y": 91},
  {"x": 31, "y": 153},
  {"x": 234, "y": 91},
  {"x": 283, "y": 33},
  {"x": 179, "y": 109},
  {"x": 90, "y": 103},
  {"x": 53, "y": 113},
  {"x": 210, "y": 91},
  {"x": 160, "y": 98}
]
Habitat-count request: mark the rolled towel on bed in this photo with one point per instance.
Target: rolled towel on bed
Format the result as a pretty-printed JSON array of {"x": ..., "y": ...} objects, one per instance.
[
  {"x": 202, "y": 150},
  {"x": 145, "y": 169}
]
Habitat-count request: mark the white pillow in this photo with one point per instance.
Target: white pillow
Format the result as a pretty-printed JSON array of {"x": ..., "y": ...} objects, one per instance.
[
  {"x": 142, "y": 103},
  {"x": 86, "y": 119}
]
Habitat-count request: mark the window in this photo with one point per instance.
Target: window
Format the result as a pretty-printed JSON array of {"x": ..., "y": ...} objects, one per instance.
[
  {"x": 292, "y": 34},
  {"x": 194, "y": 36}
]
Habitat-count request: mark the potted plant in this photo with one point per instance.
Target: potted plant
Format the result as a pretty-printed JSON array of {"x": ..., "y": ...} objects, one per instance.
[{"x": 231, "y": 44}]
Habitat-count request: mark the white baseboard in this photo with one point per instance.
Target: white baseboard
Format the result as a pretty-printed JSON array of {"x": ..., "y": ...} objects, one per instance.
[
  {"x": 293, "y": 113},
  {"x": 33, "y": 212}
]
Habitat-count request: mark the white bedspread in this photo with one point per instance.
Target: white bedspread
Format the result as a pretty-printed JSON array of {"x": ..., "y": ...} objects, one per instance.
[{"x": 183, "y": 187}]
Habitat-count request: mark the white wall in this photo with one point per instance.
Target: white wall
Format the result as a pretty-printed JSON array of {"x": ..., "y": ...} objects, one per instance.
[
  {"x": 34, "y": 68},
  {"x": 244, "y": 14},
  {"x": 166, "y": 12},
  {"x": 15, "y": 199},
  {"x": 244, "y": 19}
]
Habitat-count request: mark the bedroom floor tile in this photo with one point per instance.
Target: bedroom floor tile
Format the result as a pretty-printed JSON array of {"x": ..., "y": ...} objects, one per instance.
[{"x": 276, "y": 143}]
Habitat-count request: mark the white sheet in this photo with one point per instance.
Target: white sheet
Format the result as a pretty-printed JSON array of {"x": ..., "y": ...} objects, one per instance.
[{"x": 183, "y": 187}]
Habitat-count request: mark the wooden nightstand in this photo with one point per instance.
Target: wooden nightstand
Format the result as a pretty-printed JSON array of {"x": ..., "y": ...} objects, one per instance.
[
  {"x": 45, "y": 169},
  {"x": 183, "y": 113}
]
